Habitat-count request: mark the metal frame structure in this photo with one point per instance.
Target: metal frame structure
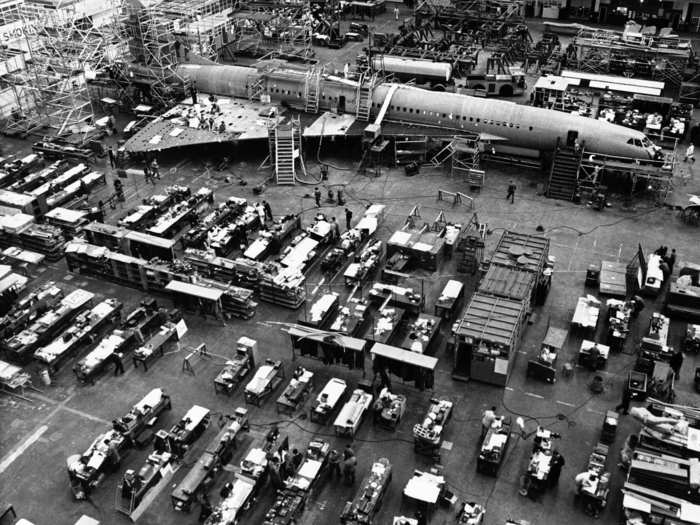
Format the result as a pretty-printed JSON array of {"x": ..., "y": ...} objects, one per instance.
[{"x": 605, "y": 51}]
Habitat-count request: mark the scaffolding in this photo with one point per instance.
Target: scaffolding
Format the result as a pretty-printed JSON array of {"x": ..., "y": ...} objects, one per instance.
[
  {"x": 204, "y": 27},
  {"x": 285, "y": 34},
  {"x": 65, "y": 48},
  {"x": 611, "y": 52},
  {"x": 156, "y": 51}
]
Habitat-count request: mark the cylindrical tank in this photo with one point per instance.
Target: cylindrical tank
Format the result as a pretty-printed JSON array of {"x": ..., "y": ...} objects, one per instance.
[{"x": 405, "y": 67}]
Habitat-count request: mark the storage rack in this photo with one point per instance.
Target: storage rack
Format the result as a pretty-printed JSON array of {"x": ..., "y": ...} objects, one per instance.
[
  {"x": 153, "y": 277},
  {"x": 273, "y": 284}
]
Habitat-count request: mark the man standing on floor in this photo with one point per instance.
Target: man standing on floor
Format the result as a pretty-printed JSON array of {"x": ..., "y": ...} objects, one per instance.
[
  {"x": 511, "y": 191},
  {"x": 268, "y": 210},
  {"x": 348, "y": 218},
  {"x": 317, "y": 197},
  {"x": 676, "y": 363},
  {"x": 112, "y": 158},
  {"x": 335, "y": 230},
  {"x": 555, "y": 467},
  {"x": 625, "y": 403}
]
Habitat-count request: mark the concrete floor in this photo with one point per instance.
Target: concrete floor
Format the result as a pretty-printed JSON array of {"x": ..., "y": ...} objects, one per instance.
[{"x": 36, "y": 437}]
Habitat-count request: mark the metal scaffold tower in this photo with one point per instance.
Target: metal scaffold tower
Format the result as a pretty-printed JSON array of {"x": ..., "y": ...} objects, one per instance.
[
  {"x": 156, "y": 52},
  {"x": 63, "y": 48}
]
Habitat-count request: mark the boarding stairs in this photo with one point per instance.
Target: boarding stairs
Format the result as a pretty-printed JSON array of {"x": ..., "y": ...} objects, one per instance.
[
  {"x": 284, "y": 139},
  {"x": 563, "y": 175},
  {"x": 284, "y": 154},
  {"x": 364, "y": 97}
]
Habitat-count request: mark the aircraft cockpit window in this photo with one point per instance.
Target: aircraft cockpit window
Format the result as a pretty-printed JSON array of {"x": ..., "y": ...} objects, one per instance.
[
  {"x": 646, "y": 142},
  {"x": 630, "y": 141}
]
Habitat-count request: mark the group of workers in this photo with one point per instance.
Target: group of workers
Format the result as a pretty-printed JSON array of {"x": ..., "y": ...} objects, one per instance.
[{"x": 343, "y": 465}]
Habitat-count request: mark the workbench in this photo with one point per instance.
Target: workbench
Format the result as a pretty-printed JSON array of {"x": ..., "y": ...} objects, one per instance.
[
  {"x": 98, "y": 358},
  {"x": 230, "y": 509},
  {"x": 287, "y": 507},
  {"x": 266, "y": 379},
  {"x": 584, "y": 354},
  {"x": 655, "y": 343},
  {"x": 364, "y": 264},
  {"x": 425, "y": 489},
  {"x": 235, "y": 369},
  {"x": 350, "y": 319},
  {"x": 362, "y": 509},
  {"x": 321, "y": 311},
  {"x": 389, "y": 409},
  {"x": 544, "y": 365},
  {"x": 328, "y": 400},
  {"x": 385, "y": 325},
  {"x": 45, "y": 327},
  {"x": 299, "y": 387},
  {"x": 309, "y": 472},
  {"x": 217, "y": 454},
  {"x": 447, "y": 302},
  {"x": 188, "y": 429},
  {"x": 13, "y": 379},
  {"x": 142, "y": 415},
  {"x": 398, "y": 296},
  {"x": 98, "y": 459},
  {"x": 155, "y": 346},
  {"x": 427, "y": 436},
  {"x": 85, "y": 327},
  {"x": 352, "y": 413},
  {"x": 421, "y": 334},
  {"x": 619, "y": 315},
  {"x": 494, "y": 447},
  {"x": 586, "y": 313}
]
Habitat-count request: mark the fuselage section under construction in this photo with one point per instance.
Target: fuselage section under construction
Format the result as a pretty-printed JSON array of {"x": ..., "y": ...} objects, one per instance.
[{"x": 496, "y": 121}]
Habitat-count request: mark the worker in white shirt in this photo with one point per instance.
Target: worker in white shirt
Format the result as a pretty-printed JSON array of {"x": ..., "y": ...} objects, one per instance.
[
  {"x": 690, "y": 153},
  {"x": 487, "y": 419}
]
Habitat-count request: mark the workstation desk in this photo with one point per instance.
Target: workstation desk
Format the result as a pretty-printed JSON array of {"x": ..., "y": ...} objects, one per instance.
[
  {"x": 328, "y": 401},
  {"x": 449, "y": 299},
  {"x": 155, "y": 346},
  {"x": 421, "y": 334},
  {"x": 300, "y": 386},
  {"x": 266, "y": 379},
  {"x": 353, "y": 412},
  {"x": 217, "y": 454},
  {"x": 320, "y": 312},
  {"x": 85, "y": 327},
  {"x": 385, "y": 324},
  {"x": 236, "y": 368},
  {"x": 362, "y": 509},
  {"x": 404, "y": 298}
]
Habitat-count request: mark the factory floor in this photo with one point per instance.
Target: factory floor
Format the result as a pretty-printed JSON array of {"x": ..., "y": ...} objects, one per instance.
[{"x": 37, "y": 436}]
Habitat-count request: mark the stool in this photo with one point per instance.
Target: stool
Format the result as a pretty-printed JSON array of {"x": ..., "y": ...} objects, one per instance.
[{"x": 596, "y": 385}]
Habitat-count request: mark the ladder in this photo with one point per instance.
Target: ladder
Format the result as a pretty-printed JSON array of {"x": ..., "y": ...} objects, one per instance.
[
  {"x": 256, "y": 88},
  {"x": 364, "y": 97},
  {"x": 443, "y": 155},
  {"x": 312, "y": 88}
]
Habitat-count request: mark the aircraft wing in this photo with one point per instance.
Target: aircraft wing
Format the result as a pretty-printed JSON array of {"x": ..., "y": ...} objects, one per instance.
[{"x": 488, "y": 137}]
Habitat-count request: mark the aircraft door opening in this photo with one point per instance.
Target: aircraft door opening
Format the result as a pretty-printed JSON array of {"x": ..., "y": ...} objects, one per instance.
[{"x": 571, "y": 137}]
